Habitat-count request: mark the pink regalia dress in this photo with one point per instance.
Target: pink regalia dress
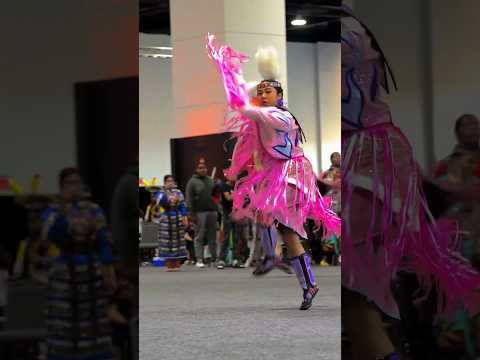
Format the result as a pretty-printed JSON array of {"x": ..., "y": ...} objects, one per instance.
[{"x": 277, "y": 182}]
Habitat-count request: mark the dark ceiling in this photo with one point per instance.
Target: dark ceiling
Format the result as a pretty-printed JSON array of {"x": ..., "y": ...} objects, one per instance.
[{"x": 155, "y": 19}]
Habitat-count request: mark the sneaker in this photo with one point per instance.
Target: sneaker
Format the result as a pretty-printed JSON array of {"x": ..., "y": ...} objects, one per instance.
[
  {"x": 221, "y": 265},
  {"x": 308, "y": 296},
  {"x": 200, "y": 264},
  {"x": 237, "y": 264},
  {"x": 323, "y": 263}
]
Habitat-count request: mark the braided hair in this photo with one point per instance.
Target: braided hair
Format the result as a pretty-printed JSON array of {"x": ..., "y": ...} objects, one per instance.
[{"x": 281, "y": 106}]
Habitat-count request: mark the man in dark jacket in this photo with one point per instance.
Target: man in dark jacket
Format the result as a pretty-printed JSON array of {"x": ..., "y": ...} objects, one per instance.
[{"x": 203, "y": 211}]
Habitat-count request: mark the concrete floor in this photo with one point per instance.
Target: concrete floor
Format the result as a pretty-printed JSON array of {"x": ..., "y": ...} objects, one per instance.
[{"x": 229, "y": 315}]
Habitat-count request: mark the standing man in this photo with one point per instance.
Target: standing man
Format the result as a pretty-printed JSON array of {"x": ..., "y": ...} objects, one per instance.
[
  {"x": 203, "y": 211},
  {"x": 228, "y": 225}
]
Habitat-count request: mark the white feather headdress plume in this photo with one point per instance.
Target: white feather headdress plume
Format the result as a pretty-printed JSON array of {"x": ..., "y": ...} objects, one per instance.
[{"x": 267, "y": 63}]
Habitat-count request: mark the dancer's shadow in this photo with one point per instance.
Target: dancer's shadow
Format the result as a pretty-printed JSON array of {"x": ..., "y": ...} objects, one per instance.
[{"x": 316, "y": 308}]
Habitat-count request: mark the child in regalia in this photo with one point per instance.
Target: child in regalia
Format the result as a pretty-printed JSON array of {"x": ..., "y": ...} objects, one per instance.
[{"x": 278, "y": 179}]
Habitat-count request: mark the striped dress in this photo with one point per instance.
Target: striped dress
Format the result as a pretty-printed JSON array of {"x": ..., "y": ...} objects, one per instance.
[
  {"x": 77, "y": 323},
  {"x": 171, "y": 233}
]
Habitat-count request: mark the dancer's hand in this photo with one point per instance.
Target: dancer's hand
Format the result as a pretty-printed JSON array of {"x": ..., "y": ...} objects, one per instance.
[
  {"x": 257, "y": 161},
  {"x": 185, "y": 221}
]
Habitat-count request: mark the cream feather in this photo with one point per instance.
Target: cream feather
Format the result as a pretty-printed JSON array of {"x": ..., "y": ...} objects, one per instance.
[{"x": 267, "y": 63}]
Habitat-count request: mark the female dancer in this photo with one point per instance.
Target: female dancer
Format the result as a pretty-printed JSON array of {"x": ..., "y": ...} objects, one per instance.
[
  {"x": 387, "y": 224},
  {"x": 279, "y": 181},
  {"x": 78, "y": 327},
  {"x": 172, "y": 224}
]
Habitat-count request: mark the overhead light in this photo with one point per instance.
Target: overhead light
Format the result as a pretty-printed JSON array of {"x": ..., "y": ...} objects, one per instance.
[
  {"x": 156, "y": 52},
  {"x": 298, "y": 21},
  {"x": 163, "y": 56},
  {"x": 159, "y": 48}
]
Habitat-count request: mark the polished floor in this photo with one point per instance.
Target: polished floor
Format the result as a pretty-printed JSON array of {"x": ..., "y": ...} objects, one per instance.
[{"x": 227, "y": 314}]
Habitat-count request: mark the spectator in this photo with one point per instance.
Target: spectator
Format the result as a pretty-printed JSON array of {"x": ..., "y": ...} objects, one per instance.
[
  {"x": 332, "y": 181},
  {"x": 189, "y": 238},
  {"x": 235, "y": 230},
  {"x": 467, "y": 132},
  {"x": 456, "y": 338},
  {"x": 335, "y": 164},
  {"x": 204, "y": 212},
  {"x": 125, "y": 213}
]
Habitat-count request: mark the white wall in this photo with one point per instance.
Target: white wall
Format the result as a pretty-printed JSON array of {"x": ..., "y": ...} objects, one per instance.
[
  {"x": 302, "y": 101},
  {"x": 456, "y": 59},
  {"x": 311, "y": 71},
  {"x": 156, "y": 110},
  {"x": 329, "y": 91},
  {"x": 46, "y": 48}
]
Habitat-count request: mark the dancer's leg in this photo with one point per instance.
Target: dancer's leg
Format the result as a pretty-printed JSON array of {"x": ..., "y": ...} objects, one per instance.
[
  {"x": 279, "y": 262},
  {"x": 269, "y": 241},
  {"x": 301, "y": 264},
  {"x": 292, "y": 241},
  {"x": 364, "y": 328}
]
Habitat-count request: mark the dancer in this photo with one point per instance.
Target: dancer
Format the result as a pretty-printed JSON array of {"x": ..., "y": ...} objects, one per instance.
[
  {"x": 388, "y": 227},
  {"x": 172, "y": 224},
  {"x": 77, "y": 321},
  {"x": 279, "y": 181}
]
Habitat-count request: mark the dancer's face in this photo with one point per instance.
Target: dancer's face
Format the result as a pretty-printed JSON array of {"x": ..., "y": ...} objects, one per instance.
[
  {"x": 169, "y": 183},
  {"x": 72, "y": 187},
  {"x": 268, "y": 96}
]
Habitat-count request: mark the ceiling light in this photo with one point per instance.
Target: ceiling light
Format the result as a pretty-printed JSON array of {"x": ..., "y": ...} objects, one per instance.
[
  {"x": 155, "y": 56},
  {"x": 159, "y": 48},
  {"x": 298, "y": 21}
]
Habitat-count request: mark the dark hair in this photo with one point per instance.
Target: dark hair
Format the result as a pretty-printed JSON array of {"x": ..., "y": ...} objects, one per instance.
[
  {"x": 66, "y": 172},
  {"x": 458, "y": 123},
  {"x": 387, "y": 69},
  {"x": 302, "y": 136},
  {"x": 279, "y": 90},
  {"x": 167, "y": 177}
]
